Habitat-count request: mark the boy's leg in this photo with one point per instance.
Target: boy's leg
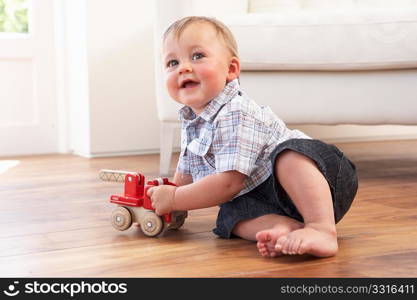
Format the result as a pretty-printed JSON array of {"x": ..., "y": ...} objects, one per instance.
[
  {"x": 281, "y": 225},
  {"x": 310, "y": 193}
]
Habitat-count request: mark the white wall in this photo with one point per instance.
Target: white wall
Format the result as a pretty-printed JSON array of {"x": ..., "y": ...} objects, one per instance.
[
  {"x": 121, "y": 76},
  {"x": 111, "y": 77},
  {"x": 76, "y": 77},
  {"x": 111, "y": 83}
]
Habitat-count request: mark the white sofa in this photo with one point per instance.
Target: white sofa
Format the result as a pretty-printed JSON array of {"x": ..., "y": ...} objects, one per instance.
[{"x": 311, "y": 61}]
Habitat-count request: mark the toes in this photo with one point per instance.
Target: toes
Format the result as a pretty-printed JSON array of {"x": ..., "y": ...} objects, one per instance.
[
  {"x": 279, "y": 246},
  {"x": 263, "y": 236},
  {"x": 290, "y": 246},
  {"x": 265, "y": 244},
  {"x": 262, "y": 249},
  {"x": 295, "y": 246},
  {"x": 287, "y": 246},
  {"x": 303, "y": 248},
  {"x": 270, "y": 246},
  {"x": 266, "y": 250}
]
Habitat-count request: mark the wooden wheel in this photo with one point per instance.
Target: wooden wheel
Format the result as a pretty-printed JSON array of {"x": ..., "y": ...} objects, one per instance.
[
  {"x": 178, "y": 219},
  {"x": 151, "y": 224},
  {"x": 121, "y": 218}
]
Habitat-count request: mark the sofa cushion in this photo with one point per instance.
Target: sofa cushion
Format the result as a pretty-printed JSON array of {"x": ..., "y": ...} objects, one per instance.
[{"x": 327, "y": 40}]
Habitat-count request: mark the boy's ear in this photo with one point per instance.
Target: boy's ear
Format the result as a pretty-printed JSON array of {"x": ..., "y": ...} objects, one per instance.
[{"x": 234, "y": 69}]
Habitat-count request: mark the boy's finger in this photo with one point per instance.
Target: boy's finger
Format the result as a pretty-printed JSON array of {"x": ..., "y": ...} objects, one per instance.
[{"x": 150, "y": 191}]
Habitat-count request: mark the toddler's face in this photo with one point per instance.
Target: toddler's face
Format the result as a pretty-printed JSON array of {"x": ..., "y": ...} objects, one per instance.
[{"x": 197, "y": 66}]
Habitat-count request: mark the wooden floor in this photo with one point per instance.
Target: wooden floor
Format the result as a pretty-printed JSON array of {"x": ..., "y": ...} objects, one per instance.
[{"x": 55, "y": 212}]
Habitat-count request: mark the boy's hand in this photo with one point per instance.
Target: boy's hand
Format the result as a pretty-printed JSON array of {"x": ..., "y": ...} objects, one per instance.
[{"x": 162, "y": 198}]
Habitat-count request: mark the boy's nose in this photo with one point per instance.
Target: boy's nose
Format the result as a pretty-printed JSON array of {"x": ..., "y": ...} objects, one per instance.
[{"x": 185, "y": 68}]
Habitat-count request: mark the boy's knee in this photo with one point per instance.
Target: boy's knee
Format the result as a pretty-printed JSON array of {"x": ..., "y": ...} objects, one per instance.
[{"x": 288, "y": 160}]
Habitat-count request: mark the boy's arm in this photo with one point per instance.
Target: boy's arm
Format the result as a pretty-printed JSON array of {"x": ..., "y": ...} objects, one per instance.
[{"x": 210, "y": 191}]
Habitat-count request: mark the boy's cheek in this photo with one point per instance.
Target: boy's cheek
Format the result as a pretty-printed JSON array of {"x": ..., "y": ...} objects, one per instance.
[
  {"x": 211, "y": 73},
  {"x": 169, "y": 79},
  {"x": 213, "y": 81},
  {"x": 171, "y": 85}
]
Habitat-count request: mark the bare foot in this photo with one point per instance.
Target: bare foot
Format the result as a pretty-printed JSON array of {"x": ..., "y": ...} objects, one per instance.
[
  {"x": 308, "y": 240},
  {"x": 267, "y": 239}
]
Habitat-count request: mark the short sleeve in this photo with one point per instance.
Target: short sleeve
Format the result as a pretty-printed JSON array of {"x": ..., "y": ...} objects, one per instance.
[
  {"x": 183, "y": 165},
  {"x": 239, "y": 140}
]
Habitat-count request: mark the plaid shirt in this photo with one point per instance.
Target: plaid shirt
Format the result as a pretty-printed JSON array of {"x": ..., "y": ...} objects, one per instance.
[{"x": 232, "y": 133}]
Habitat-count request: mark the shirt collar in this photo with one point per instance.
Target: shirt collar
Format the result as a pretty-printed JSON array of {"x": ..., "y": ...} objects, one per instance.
[{"x": 211, "y": 110}]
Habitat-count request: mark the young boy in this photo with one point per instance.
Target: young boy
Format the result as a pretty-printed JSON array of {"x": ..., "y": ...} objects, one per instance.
[{"x": 274, "y": 185}]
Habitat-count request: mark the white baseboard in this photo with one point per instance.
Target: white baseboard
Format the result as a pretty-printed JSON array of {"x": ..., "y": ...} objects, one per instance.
[{"x": 123, "y": 153}]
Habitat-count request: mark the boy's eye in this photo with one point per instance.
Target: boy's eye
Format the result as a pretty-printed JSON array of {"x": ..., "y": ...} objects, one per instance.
[
  {"x": 197, "y": 55},
  {"x": 172, "y": 63}
]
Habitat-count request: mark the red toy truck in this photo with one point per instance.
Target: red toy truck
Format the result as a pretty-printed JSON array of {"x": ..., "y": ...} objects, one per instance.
[{"x": 134, "y": 206}]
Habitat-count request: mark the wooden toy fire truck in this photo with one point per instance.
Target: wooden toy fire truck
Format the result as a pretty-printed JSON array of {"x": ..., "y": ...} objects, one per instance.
[{"x": 134, "y": 206}]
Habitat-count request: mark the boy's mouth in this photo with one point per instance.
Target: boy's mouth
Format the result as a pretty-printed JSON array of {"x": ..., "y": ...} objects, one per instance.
[{"x": 188, "y": 83}]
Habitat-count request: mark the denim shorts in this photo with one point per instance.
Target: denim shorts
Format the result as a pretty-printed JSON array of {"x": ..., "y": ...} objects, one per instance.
[{"x": 270, "y": 198}]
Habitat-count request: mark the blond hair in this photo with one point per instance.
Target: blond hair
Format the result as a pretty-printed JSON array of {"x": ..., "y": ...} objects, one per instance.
[{"x": 180, "y": 25}]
